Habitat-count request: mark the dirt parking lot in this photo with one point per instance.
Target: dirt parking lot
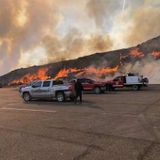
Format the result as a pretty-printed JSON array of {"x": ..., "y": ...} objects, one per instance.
[{"x": 122, "y": 125}]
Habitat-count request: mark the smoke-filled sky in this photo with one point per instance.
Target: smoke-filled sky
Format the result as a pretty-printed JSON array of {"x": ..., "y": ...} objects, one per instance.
[{"x": 36, "y": 32}]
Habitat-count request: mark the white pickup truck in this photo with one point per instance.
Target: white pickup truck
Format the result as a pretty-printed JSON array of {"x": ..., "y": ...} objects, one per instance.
[{"x": 48, "y": 89}]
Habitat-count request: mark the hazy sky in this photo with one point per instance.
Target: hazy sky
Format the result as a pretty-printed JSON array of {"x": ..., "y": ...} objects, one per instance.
[{"x": 36, "y": 32}]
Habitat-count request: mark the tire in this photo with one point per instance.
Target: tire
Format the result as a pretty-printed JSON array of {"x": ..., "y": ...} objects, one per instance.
[
  {"x": 60, "y": 97},
  {"x": 97, "y": 90},
  {"x": 109, "y": 87},
  {"x": 102, "y": 92},
  {"x": 136, "y": 87},
  {"x": 26, "y": 97},
  {"x": 72, "y": 98}
]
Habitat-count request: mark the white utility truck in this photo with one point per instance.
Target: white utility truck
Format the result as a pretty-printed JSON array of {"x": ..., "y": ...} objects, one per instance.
[{"x": 129, "y": 80}]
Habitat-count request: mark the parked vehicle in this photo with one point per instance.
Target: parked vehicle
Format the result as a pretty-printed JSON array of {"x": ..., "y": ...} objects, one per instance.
[
  {"x": 91, "y": 85},
  {"x": 49, "y": 89},
  {"x": 130, "y": 80}
]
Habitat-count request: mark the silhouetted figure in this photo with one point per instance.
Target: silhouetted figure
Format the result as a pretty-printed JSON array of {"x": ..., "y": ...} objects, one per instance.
[{"x": 78, "y": 91}]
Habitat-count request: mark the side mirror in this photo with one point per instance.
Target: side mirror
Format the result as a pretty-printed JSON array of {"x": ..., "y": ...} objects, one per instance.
[{"x": 33, "y": 86}]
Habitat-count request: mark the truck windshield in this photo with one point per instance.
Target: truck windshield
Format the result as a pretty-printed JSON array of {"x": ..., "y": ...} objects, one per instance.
[
  {"x": 57, "y": 82},
  {"x": 37, "y": 84}
]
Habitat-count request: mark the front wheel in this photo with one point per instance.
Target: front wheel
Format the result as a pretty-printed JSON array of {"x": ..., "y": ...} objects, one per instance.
[
  {"x": 97, "y": 90},
  {"x": 60, "y": 97},
  {"x": 26, "y": 97}
]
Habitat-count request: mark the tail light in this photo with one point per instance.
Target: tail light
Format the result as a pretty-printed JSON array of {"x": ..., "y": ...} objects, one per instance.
[{"x": 70, "y": 88}]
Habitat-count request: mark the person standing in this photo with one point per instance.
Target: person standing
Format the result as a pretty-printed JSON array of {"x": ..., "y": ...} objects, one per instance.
[{"x": 78, "y": 91}]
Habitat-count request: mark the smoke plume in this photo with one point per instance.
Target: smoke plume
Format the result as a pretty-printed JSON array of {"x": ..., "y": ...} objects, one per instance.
[
  {"x": 103, "y": 10},
  {"x": 74, "y": 45},
  {"x": 145, "y": 25},
  {"x": 34, "y": 32},
  {"x": 22, "y": 26}
]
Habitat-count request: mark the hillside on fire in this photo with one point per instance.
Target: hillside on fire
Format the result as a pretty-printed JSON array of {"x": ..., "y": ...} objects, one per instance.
[{"x": 143, "y": 58}]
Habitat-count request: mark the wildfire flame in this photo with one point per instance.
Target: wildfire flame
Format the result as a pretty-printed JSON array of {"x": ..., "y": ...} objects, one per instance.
[
  {"x": 40, "y": 75},
  {"x": 98, "y": 72},
  {"x": 156, "y": 54},
  {"x": 65, "y": 72},
  {"x": 136, "y": 53},
  {"x": 92, "y": 72}
]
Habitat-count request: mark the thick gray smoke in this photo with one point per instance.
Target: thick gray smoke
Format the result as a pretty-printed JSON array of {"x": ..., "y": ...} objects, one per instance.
[
  {"x": 22, "y": 26},
  {"x": 146, "y": 25},
  {"x": 28, "y": 24},
  {"x": 103, "y": 11},
  {"x": 74, "y": 45}
]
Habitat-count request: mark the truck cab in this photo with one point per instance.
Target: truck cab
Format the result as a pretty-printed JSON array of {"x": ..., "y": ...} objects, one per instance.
[{"x": 118, "y": 81}]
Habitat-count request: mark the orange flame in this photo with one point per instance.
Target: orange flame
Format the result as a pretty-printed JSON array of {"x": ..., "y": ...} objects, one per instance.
[
  {"x": 136, "y": 53},
  {"x": 156, "y": 54},
  {"x": 65, "y": 72},
  {"x": 86, "y": 71},
  {"x": 40, "y": 75}
]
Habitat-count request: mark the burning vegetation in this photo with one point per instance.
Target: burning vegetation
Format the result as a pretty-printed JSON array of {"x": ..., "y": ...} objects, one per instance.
[
  {"x": 97, "y": 66},
  {"x": 90, "y": 71},
  {"x": 42, "y": 74},
  {"x": 156, "y": 54},
  {"x": 136, "y": 53}
]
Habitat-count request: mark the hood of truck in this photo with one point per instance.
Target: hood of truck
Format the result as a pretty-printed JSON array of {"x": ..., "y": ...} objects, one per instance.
[
  {"x": 26, "y": 88},
  {"x": 109, "y": 81},
  {"x": 99, "y": 83}
]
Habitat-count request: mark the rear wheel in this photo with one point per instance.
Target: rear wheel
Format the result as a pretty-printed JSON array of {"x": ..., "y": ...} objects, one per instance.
[
  {"x": 26, "y": 97},
  {"x": 136, "y": 87},
  {"x": 97, "y": 90},
  {"x": 72, "y": 98},
  {"x": 60, "y": 97}
]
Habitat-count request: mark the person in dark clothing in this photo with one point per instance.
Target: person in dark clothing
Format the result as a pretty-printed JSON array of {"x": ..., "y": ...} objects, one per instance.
[{"x": 78, "y": 91}]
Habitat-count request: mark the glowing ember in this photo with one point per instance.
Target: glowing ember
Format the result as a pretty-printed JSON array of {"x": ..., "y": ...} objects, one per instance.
[
  {"x": 136, "y": 53},
  {"x": 40, "y": 75},
  {"x": 156, "y": 54}
]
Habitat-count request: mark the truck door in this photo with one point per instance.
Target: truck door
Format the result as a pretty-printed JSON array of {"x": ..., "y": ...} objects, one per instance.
[
  {"x": 87, "y": 84},
  {"x": 118, "y": 82},
  {"x": 45, "y": 89},
  {"x": 83, "y": 82},
  {"x": 90, "y": 84},
  {"x": 35, "y": 91}
]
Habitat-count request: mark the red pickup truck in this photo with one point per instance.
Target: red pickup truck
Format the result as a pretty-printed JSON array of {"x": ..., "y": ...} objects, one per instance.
[{"x": 91, "y": 85}]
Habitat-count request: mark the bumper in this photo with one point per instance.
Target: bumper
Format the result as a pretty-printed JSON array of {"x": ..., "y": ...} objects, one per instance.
[
  {"x": 68, "y": 94},
  {"x": 21, "y": 94},
  {"x": 103, "y": 88}
]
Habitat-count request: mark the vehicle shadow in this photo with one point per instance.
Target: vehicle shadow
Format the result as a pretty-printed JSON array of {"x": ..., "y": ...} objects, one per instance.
[{"x": 69, "y": 103}]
